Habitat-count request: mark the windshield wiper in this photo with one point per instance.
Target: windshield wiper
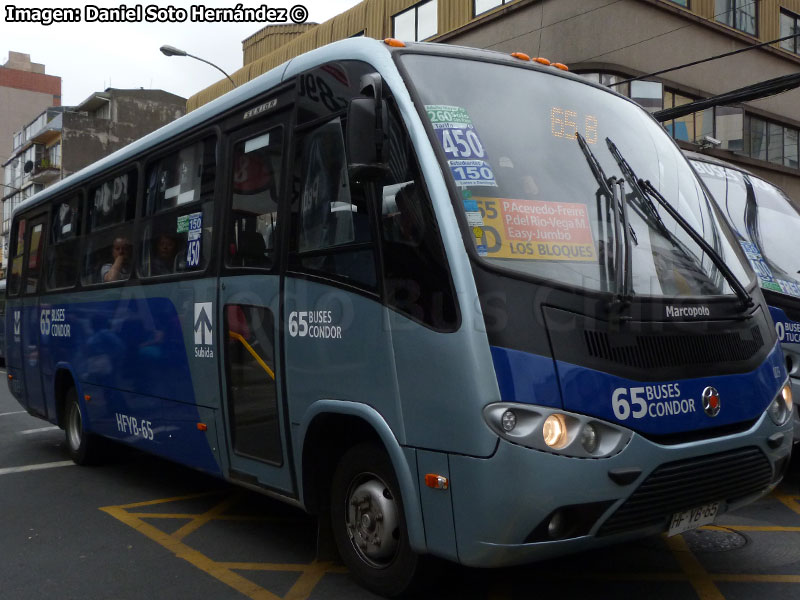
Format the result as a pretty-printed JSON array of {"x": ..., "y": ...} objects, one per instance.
[
  {"x": 630, "y": 177},
  {"x": 647, "y": 191},
  {"x": 614, "y": 191},
  {"x": 736, "y": 285}
]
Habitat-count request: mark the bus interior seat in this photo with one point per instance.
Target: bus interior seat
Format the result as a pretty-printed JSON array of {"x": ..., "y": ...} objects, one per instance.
[{"x": 252, "y": 250}]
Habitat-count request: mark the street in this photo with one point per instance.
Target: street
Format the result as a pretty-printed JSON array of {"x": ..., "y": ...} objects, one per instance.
[{"x": 139, "y": 528}]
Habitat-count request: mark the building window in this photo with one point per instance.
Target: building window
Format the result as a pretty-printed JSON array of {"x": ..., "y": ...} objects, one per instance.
[
  {"x": 417, "y": 23},
  {"x": 773, "y": 142},
  {"x": 482, "y": 6},
  {"x": 618, "y": 83},
  {"x": 54, "y": 155},
  {"x": 739, "y": 14},
  {"x": 729, "y": 128},
  {"x": 648, "y": 94},
  {"x": 684, "y": 3},
  {"x": 790, "y": 25},
  {"x": 790, "y": 148}
]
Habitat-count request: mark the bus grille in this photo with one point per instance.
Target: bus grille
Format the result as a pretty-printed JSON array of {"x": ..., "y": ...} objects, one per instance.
[
  {"x": 652, "y": 351},
  {"x": 687, "y": 484}
]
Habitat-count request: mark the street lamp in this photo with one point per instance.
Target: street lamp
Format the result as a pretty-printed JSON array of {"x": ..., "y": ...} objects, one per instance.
[{"x": 173, "y": 51}]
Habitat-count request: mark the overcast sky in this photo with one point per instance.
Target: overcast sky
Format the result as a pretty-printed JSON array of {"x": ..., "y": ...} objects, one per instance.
[{"x": 90, "y": 57}]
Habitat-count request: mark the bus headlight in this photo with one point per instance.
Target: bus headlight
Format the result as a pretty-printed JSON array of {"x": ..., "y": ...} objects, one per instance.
[
  {"x": 555, "y": 431},
  {"x": 781, "y": 407}
]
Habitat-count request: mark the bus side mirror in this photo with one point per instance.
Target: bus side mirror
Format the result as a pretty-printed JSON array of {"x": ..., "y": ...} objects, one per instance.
[{"x": 367, "y": 125}]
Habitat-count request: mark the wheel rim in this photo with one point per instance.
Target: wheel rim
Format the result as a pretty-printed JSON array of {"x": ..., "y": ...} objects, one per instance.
[
  {"x": 74, "y": 426},
  {"x": 373, "y": 520}
]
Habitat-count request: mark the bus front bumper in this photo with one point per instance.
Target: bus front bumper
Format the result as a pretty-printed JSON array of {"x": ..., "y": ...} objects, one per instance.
[{"x": 503, "y": 506}]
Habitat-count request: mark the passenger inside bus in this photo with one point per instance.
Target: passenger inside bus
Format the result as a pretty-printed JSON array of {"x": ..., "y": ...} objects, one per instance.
[
  {"x": 163, "y": 262},
  {"x": 120, "y": 267}
]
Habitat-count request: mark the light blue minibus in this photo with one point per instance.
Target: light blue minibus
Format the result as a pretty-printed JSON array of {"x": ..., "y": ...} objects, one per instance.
[{"x": 455, "y": 302}]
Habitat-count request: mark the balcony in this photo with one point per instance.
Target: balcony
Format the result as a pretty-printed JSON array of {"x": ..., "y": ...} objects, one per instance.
[{"x": 45, "y": 171}]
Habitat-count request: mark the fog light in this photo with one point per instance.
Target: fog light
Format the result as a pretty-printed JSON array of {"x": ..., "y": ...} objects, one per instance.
[
  {"x": 554, "y": 431},
  {"x": 509, "y": 421},
  {"x": 556, "y": 526},
  {"x": 777, "y": 411},
  {"x": 589, "y": 438}
]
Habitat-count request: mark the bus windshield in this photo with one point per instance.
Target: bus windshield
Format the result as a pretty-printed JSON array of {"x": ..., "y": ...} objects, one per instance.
[
  {"x": 764, "y": 220},
  {"x": 536, "y": 204}
]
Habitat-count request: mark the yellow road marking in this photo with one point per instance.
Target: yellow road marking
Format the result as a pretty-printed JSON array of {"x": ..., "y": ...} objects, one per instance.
[
  {"x": 303, "y": 587},
  {"x": 199, "y": 560},
  {"x": 701, "y": 581},
  {"x": 262, "y": 519},
  {"x": 201, "y": 520},
  {"x": 310, "y": 574},
  {"x": 692, "y": 571},
  {"x": 169, "y": 500},
  {"x": 765, "y": 528},
  {"x": 740, "y": 578},
  {"x": 790, "y": 501}
]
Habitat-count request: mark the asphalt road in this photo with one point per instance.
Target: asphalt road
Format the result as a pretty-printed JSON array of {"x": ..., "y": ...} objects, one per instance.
[{"x": 140, "y": 528}]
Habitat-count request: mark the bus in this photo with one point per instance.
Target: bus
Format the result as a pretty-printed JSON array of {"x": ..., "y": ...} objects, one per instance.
[
  {"x": 2, "y": 322},
  {"x": 764, "y": 221},
  {"x": 457, "y": 303}
]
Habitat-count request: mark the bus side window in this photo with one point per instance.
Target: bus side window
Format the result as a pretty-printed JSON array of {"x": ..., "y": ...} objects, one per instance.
[
  {"x": 179, "y": 211},
  {"x": 110, "y": 251},
  {"x": 333, "y": 233},
  {"x": 416, "y": 275},
  {"x": 15, "y": 272},
  {"x": 34, "y": 258},
  {"x": 255, "y": 181},
  {"x": 63, "y": 245}
]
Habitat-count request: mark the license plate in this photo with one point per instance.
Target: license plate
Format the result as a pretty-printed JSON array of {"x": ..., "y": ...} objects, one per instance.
[{"x": 684, "y": 521}]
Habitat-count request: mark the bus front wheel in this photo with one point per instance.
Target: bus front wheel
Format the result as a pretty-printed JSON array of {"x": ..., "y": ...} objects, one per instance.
[
  {"x": 368, "y": 522},
  {"x": 82, "y": 446}
]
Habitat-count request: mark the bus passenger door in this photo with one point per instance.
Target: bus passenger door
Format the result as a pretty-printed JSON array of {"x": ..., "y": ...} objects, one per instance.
[
  {"x": 254, "y": 411},
  {"x": 33, "y": 328}
]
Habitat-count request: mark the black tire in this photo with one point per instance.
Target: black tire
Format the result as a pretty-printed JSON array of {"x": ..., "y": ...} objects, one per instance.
[
  {"x": 83, "y": 447},
  {"x": 371, "y": 535}
]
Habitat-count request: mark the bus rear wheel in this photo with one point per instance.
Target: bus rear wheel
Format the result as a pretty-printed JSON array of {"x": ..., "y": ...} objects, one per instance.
[
  {"x": 82, "y": 446},
  {"x": 369, "y": 525}
]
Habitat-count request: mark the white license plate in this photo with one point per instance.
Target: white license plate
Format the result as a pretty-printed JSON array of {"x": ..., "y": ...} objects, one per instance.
[{"x": 684, "y": 521}]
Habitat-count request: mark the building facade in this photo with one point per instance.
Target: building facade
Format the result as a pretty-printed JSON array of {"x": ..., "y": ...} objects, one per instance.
[
  {"x": 25, "y": 91},
  {"x": 62, "y": 140},
  {"x": 611, "y": 41}
]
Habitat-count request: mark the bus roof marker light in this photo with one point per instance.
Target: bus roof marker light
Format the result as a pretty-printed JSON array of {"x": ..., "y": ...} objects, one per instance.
[
  {"x": 542, "y": 61},
  {"x": 521, "y": 56},
  {"x": 394, "y": 43},
  {"x": 202, "y": 427},
  {"x": 87, "y": 397},
  {"x": 437, "y": 482},
  {"x": 561, "y": 66}
]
